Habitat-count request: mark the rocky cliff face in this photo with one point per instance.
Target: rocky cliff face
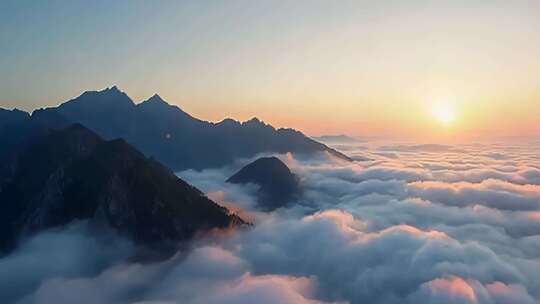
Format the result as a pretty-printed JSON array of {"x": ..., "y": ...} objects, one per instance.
[
  {"x": 277, "y": 184},
  {"x": 72, "y": 174}
]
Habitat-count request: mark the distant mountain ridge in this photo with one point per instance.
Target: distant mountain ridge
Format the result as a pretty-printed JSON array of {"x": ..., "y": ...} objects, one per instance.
[
  {"x": 71, "y": 173},
  {"x": 12, "y": 116},
  {"x": 177, "y": 139},
  {"x": 342, "y": 138}
]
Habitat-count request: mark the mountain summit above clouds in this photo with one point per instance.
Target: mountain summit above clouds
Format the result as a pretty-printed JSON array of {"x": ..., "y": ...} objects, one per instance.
[
  {"x": 277, "y": 184},
  {"x": 177, "y": 139},
  {"x": 72, "y": 174}
]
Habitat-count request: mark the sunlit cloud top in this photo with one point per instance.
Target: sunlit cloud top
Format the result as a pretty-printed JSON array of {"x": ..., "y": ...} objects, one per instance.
[{"x": 420, "y": 69}]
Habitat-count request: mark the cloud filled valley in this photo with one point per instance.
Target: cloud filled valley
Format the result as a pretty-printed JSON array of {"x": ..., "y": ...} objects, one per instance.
[{"x": 409, "y": 224}]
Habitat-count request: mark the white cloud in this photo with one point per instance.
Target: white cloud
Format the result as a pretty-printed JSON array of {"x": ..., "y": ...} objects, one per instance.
[{"x": 430, "y": 225}]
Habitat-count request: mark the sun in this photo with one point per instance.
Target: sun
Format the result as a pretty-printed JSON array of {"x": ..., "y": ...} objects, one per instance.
[{"x": 444, "y": 112}]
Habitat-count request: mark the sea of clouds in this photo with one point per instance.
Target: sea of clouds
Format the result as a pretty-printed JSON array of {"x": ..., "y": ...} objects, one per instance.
[{"x": 403, "y": 224}]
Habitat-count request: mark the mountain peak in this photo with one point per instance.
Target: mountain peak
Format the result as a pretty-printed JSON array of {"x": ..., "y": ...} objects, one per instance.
[
  {"x": 254, "y": 122},
  {"x": 111, "y": 181},
  {"x": 107, "y": 91},
  {"x": 14, "y": 111},
  {"x": 278, "y": 185},
  {"x": 12, "y": 116},
  {"x": 156, "y": 101},
  {"x": 107, "y": 96},
  {"x": 112, "y": 90},
  {"x": 156, "y": 98},
  {"x": 228, "y": 122}
]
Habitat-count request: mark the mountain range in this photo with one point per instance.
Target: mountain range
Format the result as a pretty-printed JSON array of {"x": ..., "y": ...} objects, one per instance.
[
  {"x": 177, "y": 139},
  {"x": 56, "y": 176},
  {"x": 99, "y": 157}
]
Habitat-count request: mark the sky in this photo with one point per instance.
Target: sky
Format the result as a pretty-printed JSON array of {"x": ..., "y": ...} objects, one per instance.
[{"x": 427, "y": 70}]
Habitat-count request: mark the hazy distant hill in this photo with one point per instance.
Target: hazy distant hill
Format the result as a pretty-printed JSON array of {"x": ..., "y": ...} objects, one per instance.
[
  {"x": 278, "y": 185},
  {"x": 177, "y": 139},
  {"x": 68, "y": 174},
  {"x": 337, "y": 139}
]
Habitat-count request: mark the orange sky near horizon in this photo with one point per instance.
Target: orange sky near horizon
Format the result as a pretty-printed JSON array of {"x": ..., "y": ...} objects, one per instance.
[{"x": 363, "y": 68}]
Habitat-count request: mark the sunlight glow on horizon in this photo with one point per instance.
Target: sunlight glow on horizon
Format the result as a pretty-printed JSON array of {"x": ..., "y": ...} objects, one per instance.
[
  {"x": 359, "y": 68},
  {"x": 444, "y": 111}
]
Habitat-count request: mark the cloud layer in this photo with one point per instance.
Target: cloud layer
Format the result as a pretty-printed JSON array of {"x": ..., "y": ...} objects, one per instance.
[{"x": 430, "y": 224}]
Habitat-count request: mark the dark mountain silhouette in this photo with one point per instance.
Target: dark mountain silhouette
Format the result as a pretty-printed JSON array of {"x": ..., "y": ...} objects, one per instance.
[
  {"x": 277, "y": 184},
  {"x": 8, "y": 117},
  {"x": 106, "y": 112},
  {"x": 177, "y": 139},
  {"x": 69, "y": 174},
  {"x": 22, "y": 130}
]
